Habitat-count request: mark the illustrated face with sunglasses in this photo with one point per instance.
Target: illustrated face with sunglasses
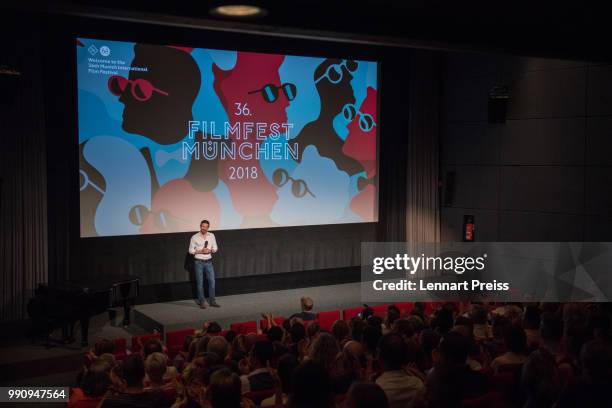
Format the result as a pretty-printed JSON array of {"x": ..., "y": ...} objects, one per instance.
[
  {"x": 260, "y": 89},
  {"x": 333, "y": 82},
  {"x": 334, "y": 73},
  {"x": 158, "y": 100},
  {"x": 360, "y": 144}
]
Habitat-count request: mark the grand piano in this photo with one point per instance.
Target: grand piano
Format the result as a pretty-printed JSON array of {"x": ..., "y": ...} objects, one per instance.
[{"x": 61, "y": 305}]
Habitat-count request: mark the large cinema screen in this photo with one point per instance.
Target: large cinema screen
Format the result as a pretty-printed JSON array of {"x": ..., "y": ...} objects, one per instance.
[{"x": 169, "y": 135}]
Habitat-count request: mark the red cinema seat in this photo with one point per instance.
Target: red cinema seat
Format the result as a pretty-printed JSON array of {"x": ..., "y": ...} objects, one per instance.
[
  {"x": 175, "y": 340},
  {"x": 405, "y": 307},
  {"x": 138, "y": 341},
  {"x": 244, "y": 327},
  {"x": 380, "y": 310},
  {"x": 263, "y": 324},
  {"x": 120, "y": 348},
  {"x": 327, "y": 319},
  {"x": 348, "y": 313}
]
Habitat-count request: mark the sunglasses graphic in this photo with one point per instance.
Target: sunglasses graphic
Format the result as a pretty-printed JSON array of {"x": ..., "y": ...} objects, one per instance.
[
  {"x": 163, "y": 220},
  {"x": 363, "y": 182},
  {"x": 280, "y": 177},
  {"x": 270, "y": 92},
  {"x": 84, "y": 181},
  {"x": 334, "y": 73},
  {"x": 142, "y": 90},
  {"x": 366, "y": 121}
]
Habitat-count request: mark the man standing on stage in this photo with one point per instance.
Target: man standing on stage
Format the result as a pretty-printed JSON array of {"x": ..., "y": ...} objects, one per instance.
[{"x": 202, "y": 246}]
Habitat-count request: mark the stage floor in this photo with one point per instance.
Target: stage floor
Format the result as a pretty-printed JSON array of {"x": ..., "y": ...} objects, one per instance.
[{"x": 169, "y": 316}]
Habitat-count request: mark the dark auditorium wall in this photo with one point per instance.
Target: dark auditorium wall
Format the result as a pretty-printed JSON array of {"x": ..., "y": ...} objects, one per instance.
[{"x": 544, "y": 175}]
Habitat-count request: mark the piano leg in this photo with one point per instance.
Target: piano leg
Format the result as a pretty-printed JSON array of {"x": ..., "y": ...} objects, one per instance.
[
  {"x": 126, "y": 313},
  {"x": 84, "y": 330}
]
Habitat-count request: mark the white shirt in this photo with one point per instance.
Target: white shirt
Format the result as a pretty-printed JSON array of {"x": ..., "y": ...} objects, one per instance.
[{"x": 197, "y": 243}]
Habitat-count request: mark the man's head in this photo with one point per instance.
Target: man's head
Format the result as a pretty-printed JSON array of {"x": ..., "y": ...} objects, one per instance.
[
  {"x": 156, "y": 365},
  {"x": 306, "y": 303},
  {"x": 151, "y": 346},
  {"x": 219, "y": 346},
  {"x": 392, "y": 351},
  {"x": 262, "y": 353},
  {"x": 204, "y": 225}
]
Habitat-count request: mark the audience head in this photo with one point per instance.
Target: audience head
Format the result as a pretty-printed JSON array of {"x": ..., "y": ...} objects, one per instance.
[
  {"x": 151, "y": 346},
  {"x": 224, "y": 390},
  {"x": 275, "y": 333},
  {"x": 96, "y": 378},
  {"x": 306, "y": 303},
  {"x": 187, "y": 343},
  {"x": 371, "y": 337},
  {"x": 104, "y": 346},
  {"x": 156, "y": 365},
  {"x": 393, "y": 313},
  {"x": 540, "y": 379},
  {"x": 324, "y": 350},
  {"x": 219, "y": 346},
  {"x": 531, "y": 319},
  {"x": 313, "y": 329},
  {"x": 132, "y": 370},
  {"x": 230, "y": 336},
  {"x": 298, "y": 332},
  {"x": 392, "y": 351},
  {"x": 551, "y": 327},
  {"x": 311, "y": 387},
  {"x": 340, "y": 330},
  {"x": 286, "y": 366},
  {"x": 515, "y": 338},
  {"x": 596, "y": 360},
  {"x": 366, "y": 395},
  {"x": 262, "y": 353},
  {"x": 454, "y": 348}
]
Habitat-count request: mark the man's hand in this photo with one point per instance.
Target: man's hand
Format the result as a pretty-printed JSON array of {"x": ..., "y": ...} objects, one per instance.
[{"x": 205, "y": 251}]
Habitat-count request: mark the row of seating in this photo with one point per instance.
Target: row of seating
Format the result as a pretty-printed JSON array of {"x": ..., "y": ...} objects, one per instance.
[{"x": 175, "y": 339}]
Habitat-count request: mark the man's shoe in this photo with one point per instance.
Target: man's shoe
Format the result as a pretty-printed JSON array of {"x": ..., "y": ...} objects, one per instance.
[
  {"x": 214, "y": 304},
  {"x": 202, "y": 306}
]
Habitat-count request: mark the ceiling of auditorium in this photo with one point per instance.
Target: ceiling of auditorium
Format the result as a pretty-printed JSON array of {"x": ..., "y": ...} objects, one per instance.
[{"x": 573, "y": 29}]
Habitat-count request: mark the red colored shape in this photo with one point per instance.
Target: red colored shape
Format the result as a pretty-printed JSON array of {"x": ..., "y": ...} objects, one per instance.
[
  {"x": 405, "y": 307},
  {"x": 251, "y": 73},
  {"x": 380, "y": 310},
  {"x": 363, "y": 203},
  {"x": 244, "y": 327},
  {"x": 352, "y": 312},
  {"x": 359, "y": 144},
  {"x": 184, "y": 206},
  {"x": 175, "y": 340}
]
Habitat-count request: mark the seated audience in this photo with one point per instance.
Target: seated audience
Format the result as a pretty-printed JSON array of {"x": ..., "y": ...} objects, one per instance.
[
  {"x": 366, "y": 395},
  {"x": 402, "y": 389},
  {"x": 95, "y": 381},
  {"x": 515, "y": 341},
  {"x": 286, "y": 366},
  {"x": 256, "y": 372},
  {"x": 452, "y": 380},
  {"x": 540, "y": 380},
  {"x": 127, "y": 389},
  {"x": 311, "y": 387}
]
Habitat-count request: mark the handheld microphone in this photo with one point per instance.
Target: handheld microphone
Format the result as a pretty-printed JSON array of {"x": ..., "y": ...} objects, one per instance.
[{"x": 205, "y": 244}]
